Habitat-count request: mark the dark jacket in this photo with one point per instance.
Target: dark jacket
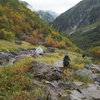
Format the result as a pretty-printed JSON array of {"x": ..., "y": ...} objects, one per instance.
[
  {"x": 83, "y": 55},
  {"x": 66, "y": 60}
]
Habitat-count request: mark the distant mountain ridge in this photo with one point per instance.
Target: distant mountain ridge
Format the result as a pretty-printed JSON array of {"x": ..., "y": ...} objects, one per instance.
[
  {"x": 47, "y": 16},
  {"x": 84, "y": 13},
  {"x": 54, "y": 14}
]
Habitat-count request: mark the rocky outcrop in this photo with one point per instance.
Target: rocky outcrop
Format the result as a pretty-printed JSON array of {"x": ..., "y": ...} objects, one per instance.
[
  {"x": 55, "y": 86},
  {"x": 95, "y": 68},
  {"x": 9, "y": 58},
  {"x": 91, "y": 93},
  {"x": 45, "y": 71},
  {"x": 5, "y": 56},
  {"x": 87, "y": 73}
]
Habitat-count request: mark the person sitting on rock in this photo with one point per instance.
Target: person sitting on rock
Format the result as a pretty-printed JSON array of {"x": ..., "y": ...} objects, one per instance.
[{"x": 66, "y": 62}]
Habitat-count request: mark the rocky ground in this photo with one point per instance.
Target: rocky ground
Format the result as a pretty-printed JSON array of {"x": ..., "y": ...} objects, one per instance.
[
  {"x": 7, "y": 58},
  {"x": 56, "y": 84},
  {"x": 57, "y": 87}
]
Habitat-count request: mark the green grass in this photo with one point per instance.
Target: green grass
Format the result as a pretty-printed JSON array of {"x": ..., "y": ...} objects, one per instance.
[
  {"x": 6, "y": 46},
  {"x": 84, "y": 78},
  {"x": 50, "y": 58},
  {"x": 82, "y": 61},
  {"x": 15, "y": 83}
]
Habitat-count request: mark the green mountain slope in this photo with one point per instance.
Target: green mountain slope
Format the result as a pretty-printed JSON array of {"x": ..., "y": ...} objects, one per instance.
[
  {"x": 84, "y": 13},
  {"x": 87, "y": 37},
  {"x": 81, "y": 24},
  {"x": 18, "y": 22}
]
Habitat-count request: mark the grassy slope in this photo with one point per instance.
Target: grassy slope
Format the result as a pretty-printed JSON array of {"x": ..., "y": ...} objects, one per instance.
[
  {"x": 13, "y": 47},
  {"x": 15, "y": 83}
]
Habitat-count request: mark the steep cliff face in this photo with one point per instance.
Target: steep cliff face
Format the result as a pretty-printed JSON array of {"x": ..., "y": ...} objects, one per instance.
[{"x": 84, "y": 13}]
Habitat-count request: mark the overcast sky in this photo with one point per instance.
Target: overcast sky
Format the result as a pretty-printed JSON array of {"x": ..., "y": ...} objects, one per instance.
[{"x": 58, "y": 6}]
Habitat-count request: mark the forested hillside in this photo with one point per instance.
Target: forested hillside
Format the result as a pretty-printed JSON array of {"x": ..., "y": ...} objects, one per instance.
[{"x": 18, "y": 22}]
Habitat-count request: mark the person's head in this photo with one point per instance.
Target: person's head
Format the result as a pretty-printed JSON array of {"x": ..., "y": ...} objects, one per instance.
[{"x": 66, "y": 55}]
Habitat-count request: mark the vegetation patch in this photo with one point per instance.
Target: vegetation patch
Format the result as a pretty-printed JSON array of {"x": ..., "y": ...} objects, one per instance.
[
  {"x": 13, "y": 47},
  {"x": 82, "y": 61},
  {"x": 15, "y": 83},
  {"x": 81, "y": 78}
]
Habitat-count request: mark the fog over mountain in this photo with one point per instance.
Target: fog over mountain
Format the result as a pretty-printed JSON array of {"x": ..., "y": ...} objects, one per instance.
[
  {"x": 46, "y": 15},
  {"x": 58, "y": 6}
]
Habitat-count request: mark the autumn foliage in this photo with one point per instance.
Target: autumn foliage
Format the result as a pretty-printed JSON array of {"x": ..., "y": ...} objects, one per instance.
[
  {"x": 29, "y": 39},
  {"x": 18, "y": 22},
  {"x": 52, "y": 44},
  {"x": 95, "y": 52}
]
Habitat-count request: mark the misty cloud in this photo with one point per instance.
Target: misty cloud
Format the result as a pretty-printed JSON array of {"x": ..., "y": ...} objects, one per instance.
[{"x": 58, "y": 6}]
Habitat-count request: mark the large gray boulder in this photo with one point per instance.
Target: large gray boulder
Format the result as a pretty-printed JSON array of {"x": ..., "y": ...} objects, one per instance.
[
  {"x": 50, "y": 94},
  {"x": 91, "y": 93},
  {"x": 5, "y": 56},
  {"x": 85, "y": 73},
  {"x": 94, "y": 67},
  {"x": 59, "y": 64},
  {"x": 45, "y": 71},
  {"x": 39, "y": 50},
  {"x": 75, "y": 95}
]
